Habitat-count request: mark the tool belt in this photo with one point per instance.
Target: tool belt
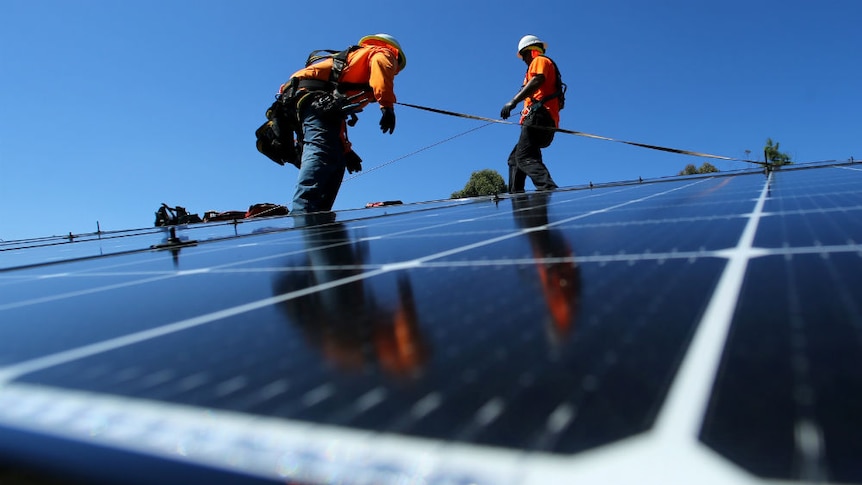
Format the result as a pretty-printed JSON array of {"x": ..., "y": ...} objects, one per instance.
[{"x": 315, "y": 85}]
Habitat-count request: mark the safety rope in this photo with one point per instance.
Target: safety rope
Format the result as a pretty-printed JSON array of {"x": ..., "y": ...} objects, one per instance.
[
  {"x": 364, "y": 172},
  {"x": 580, "y": 133}
]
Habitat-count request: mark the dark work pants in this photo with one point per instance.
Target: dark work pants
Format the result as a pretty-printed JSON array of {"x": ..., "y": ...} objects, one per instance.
[{"x": 526, "y": 159}]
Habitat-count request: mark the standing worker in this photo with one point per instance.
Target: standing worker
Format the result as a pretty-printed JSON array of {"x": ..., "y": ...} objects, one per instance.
[
  {"x": 543, "y": 95},
  {"x": 325, "y": 97}
]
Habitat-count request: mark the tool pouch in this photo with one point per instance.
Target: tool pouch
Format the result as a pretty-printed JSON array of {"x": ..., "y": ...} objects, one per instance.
[
  {"x": 330, "y": 106},
  {"x": 541, "y": 125},
  {"x": 275, "y": 138}
]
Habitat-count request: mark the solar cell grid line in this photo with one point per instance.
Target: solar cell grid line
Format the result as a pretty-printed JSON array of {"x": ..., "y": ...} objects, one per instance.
[
  {"x": 833, "y": 225},
  {"x": 626, "y": 319},
  {"x": 812, "y": 443},
  {"x": 198, "y": 320},
  {"x": 807, "y": 370},
  {"x": 63, "y": 248},
  {"x": 171, "y": 274},
  {"x": 679, "y": 422},
  {"x": 157, "y": 268},
  {"x": 175, "y": 273}
]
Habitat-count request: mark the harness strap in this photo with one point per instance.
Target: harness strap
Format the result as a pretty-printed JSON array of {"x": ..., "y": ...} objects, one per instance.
[
  {"x": 339, "y": 63},
  {"x": 561, "y": 87},
  {"x": 318, "y": 85},
  {"x": 314, "y": 85},
  {"x": 299, "y": 91}
]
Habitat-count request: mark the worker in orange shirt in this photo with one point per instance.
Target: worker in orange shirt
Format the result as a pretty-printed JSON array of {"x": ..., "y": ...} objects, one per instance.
[
  {"x": 541, "y": 94},
  {"x": 323, "y": 106}
]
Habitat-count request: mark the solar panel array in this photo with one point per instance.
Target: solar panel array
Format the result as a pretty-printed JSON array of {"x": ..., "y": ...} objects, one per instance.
[{"x": 688, "y": 330}]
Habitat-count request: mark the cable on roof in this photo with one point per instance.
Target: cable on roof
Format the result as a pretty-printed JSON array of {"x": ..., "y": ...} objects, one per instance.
[{"x": 580, "y": 133}]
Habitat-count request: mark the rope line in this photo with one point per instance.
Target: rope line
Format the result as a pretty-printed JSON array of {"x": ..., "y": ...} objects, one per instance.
[
  {"x": 359, "y": 174},
  {"x": 580, "y": 133}
]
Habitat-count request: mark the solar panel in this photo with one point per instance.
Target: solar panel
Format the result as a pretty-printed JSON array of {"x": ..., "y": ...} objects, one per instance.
[{"x": 686, "y": 330}]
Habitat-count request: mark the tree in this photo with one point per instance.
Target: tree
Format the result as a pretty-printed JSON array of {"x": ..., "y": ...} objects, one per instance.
[
  {"x": 707, "y": 167},
  {"x": 482, "y": 182},
  {"x": 772, "y": 156},
  {"x": 690, "y": 169}
]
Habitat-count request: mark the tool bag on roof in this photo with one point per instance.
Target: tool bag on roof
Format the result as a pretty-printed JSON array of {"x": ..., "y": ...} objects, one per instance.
[
  {"x": 171, "y": 216},
  {"x": 265, "y": 209},
  {"x": 280, "y": 137}
]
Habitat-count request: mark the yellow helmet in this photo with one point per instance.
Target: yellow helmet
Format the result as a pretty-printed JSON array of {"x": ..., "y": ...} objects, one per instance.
[{"x": 386, "y": 39}]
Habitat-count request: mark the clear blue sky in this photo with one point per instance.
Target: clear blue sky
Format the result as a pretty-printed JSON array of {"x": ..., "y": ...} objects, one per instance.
[{"x": 109, "y": 108}]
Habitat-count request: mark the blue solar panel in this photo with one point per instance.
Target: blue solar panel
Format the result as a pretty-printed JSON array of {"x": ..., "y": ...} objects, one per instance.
[{"x": 688, "y": 330}]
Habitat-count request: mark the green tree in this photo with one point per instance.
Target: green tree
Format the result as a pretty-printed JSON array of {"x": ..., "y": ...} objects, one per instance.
[
  {"x": 690, "y": 169},
  {"x": 482, "y": 182},
  {"x": 773, "y": 156},
  {"x": 707, "y": 167}
]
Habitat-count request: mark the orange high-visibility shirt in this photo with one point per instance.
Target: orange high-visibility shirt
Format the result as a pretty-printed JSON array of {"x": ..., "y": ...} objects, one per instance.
[
  {"x": 543, "y": 65},
  {"x": 375, "y": 65}
]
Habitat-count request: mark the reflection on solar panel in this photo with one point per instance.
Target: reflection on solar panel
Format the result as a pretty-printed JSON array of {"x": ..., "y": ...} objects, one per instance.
[{"x": 689, "y": 330}]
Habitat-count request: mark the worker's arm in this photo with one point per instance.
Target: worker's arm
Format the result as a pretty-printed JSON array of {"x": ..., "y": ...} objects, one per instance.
[
  {"x": 382, "y": 77},
  {"x": 525, "y": 92}
]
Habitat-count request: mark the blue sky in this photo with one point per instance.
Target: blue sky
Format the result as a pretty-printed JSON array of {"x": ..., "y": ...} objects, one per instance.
[{"x": 109, "y": 108}]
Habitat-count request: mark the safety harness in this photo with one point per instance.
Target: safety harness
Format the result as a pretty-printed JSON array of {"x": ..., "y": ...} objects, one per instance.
[
  {"x": 280, "y": 138},
  {"x": 298, "y": 89},
  {"x": 339, "y": 62},
  {"x": 560, "y": 91}
]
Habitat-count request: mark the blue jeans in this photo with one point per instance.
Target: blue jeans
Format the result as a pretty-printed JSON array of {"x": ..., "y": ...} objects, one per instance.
[{"x": 323, "y": 162}]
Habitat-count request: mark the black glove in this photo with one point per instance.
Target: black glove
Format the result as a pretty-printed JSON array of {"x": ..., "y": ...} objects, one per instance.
[
  {"x": 354, "y": 163},
  {"x": 507, "y": 109},
  {"x": 387, "y": 121}
]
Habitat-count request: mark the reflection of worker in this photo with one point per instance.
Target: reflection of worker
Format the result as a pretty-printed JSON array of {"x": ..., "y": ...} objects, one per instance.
[
  {"x": 326, "y": 152},
  {"x": 559, "y": 275},
  {"x": 541, "y": 96},
  {"x": 344, "y": 320}
]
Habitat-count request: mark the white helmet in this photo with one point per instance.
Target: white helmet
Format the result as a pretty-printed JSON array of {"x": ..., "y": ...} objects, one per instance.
[
  {"x": 387, "y": 39},
  {"x": 528, "y": 40}
]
